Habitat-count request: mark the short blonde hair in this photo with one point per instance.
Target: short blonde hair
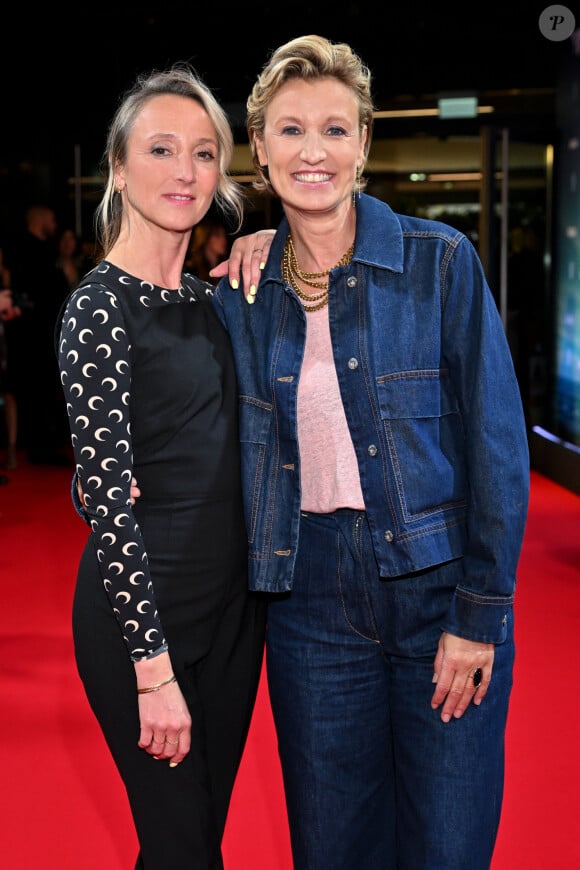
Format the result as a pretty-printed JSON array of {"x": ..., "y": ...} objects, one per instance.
[
  {"x": 180, "y": 80},
  {"x": 307, "y": 57}
]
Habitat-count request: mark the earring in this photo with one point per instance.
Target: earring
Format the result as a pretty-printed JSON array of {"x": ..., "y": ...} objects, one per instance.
[{"x": 356, "y": 187}]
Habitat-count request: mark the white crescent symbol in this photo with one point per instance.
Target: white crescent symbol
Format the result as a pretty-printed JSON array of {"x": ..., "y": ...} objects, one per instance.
[
  {"x": 150, "y": 635},
  {"x": 80, "y": 300},
  {"x": 102, "y": 433},
  {"x": 107, "y": 583},
  {"x": 113, "y": 492},
  {"x": 90, "y": 451},
  {"x": 100, "y": 312},
  {"x": 72, "y": 354},
  {"x": 125, "y": 398},
  {"x": 166, "y": 295},
  {"x": 110, "y": 537},
  {"x": 127, "y": 548},
  {"x": 115, "y": 331},
  {"x": 124, "y": 596},
  {"x": 106, "y": 350},
  {"x": 122, "y": 366},
  {"x": 117, "y": 566},
  {"x": 119, "y": 518},
  {"x": 71, "y": 323},
  {"x": 143, "y": 606},
  {"x": 144, "y": 300},
  {"x": 82, "y": 421},
  {"x": 124, "y": 445},
  {"x": 111, "y": 381},
  {"x": 86, "y": 368},
  {"x": 83, "y": 333},
  {"x": 132, "y": 624},
  {"x": 116, "y": 415},
  {"x": 93, "y": 402},
  {"x": 124, "y": 279},
  {"x": 147, "y": 285},
  {"x": 94, "y": 479},
  {"x": 108, "y": 462},
  {"x": 76, "y": 389},
  {"x": 133, "y": 578}
]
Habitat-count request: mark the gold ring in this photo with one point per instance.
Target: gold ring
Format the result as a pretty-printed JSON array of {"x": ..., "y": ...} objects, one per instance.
[{"x": 172, "y": 742}]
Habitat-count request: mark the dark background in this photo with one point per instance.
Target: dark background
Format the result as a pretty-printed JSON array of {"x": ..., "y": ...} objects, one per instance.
[
  {"x": 61, "y": 74},
  {"x": 62, "y": 71}
]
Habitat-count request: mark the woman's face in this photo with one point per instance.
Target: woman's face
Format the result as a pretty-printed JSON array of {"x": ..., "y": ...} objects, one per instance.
[
  {"x": 171, "y": 172},
  {"x": 312, "y": 144}
]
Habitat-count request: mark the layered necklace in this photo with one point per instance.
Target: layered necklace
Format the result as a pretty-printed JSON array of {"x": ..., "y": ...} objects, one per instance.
[{"x": 292, "y": 273}]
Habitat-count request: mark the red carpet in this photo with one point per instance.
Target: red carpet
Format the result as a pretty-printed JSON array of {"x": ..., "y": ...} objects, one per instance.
[{"x": 61, "y": 802}]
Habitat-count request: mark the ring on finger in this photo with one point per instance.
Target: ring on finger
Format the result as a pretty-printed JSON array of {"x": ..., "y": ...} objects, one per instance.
[
  {"x": 171, "y": 742},
  {"x": 477, "y": 676}
]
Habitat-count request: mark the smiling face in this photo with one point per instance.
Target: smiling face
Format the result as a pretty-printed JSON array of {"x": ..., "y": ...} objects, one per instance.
[
  {"x": 171, "y": 171},
  {"x": 312, "y": 144}
]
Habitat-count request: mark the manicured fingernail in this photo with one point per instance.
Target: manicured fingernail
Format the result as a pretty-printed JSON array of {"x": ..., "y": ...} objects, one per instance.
[
  {"x": 434, "y": 679},
  {"x": 253, "y": 290},
  {"x": 250, "y": 300},
  {"x": 262, "y": 265},
  {"x": 235, "y": 283},
  {"x": 173, "y": 764}
]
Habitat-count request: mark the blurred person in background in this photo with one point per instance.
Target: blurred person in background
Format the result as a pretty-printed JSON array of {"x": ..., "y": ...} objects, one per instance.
[
  {"x": 209, "y": 247},
  {"x": 39, "y": 288},
  {"x": 8, "y": 312},
  {"x": 69, "y": 257}
]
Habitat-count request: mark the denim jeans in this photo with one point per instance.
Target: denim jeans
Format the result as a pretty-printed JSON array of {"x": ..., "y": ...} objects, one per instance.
[{"x": 374, "y": 780}]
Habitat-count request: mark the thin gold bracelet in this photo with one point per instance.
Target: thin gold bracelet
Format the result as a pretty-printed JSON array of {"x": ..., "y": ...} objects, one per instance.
[{"x": 157, "y": 686}]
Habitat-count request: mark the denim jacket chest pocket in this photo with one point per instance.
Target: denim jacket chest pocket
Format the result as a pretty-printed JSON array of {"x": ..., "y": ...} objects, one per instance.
[{"x": 424, "y": 435}]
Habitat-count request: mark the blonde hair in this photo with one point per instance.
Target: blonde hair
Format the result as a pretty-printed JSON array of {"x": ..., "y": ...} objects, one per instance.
[
  {"x": 180, "y": 80},
  {"x": 308, "y": 57}
]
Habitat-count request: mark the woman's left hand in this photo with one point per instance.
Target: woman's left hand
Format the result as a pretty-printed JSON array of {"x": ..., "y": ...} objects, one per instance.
[
  {"x": 247, "y": 258},
  {"x": 456, "y": 664}
]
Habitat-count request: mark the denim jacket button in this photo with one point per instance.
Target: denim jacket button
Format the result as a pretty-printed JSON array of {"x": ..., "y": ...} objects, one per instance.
[
  {"x": 389, "y": 537},
  {"x": 372, "y": 450},
  {"x": 352, "y": 281},
  {"x": 353, "y": 363}
]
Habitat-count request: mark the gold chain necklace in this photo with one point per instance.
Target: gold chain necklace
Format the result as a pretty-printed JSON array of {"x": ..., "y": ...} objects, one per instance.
[{"x": 291, "y": 272}]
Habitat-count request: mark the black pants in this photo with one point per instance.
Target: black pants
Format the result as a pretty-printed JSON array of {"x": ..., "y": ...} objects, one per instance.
[{"x": 215, "y": 630}]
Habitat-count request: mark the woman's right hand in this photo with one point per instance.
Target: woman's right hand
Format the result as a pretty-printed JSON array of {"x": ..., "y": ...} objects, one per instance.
[
  {"x": 163, "y": 714},
  {"x": 247, "y": 258}
]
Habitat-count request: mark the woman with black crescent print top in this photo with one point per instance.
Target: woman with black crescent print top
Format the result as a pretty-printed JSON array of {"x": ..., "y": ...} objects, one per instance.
[{"x": 168, "y": 639}]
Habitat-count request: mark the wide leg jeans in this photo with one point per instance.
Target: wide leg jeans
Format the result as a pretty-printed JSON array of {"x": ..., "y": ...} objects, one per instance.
[{"x": 374, "y": 780}]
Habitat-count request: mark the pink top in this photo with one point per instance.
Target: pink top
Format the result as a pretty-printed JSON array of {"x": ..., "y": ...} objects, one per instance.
[{"x": 329, "y": 469}]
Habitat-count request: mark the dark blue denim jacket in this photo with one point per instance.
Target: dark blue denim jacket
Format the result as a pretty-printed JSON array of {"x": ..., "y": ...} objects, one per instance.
[{"x": 431, "y": 401}]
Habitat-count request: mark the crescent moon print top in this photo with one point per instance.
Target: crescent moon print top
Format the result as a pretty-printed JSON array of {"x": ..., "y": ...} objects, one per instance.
[{"x": 150, "y": 386}]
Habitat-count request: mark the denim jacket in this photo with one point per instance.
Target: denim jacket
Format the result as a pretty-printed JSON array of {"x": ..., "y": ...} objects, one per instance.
[{"x": 431, "y": 401}]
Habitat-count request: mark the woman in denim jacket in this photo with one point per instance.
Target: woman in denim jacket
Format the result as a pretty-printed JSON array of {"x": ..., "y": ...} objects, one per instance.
[{"x": 386, "y": 477}]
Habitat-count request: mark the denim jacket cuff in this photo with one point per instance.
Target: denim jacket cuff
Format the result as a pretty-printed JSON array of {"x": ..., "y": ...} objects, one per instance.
[{"x": 482, "y": 618}]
